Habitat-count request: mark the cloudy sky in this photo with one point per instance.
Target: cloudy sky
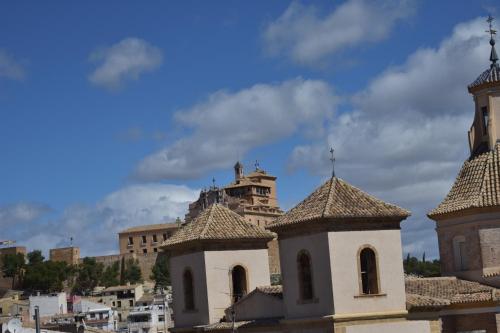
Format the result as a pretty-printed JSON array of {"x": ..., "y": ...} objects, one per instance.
[{"x": 117, "y": 114}]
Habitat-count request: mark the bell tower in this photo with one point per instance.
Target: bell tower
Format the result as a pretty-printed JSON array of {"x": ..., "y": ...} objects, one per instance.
[
  {"x": 485, "y": 130},
  {"x": 468, "y": 219}
]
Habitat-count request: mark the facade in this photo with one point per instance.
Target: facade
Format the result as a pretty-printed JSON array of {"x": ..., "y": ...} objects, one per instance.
[
  {"x": 12, "y": 306},
  {"x": 252, "y": 196},
  {"x": 49, "y": 305},
  {"x": 69, "y": 255},
  {"x": 96, "y": 315},
  {"x": 121, "y": 299},
  {"x": 215, "y": 260},
  {"x": 145, "y": 239},
  {"x": 151, "y": 315}
]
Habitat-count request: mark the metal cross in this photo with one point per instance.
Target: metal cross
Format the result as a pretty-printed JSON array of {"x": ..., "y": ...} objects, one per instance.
[
  {"x": 491, "y": 31},
  {"x": 332, "y": 159}
]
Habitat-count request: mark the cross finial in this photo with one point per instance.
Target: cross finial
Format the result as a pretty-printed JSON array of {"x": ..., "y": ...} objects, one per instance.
[
  {"x": 213, "y": 182},
  {"x": 492, "y": 32},
  {"x": 332, "y": 159},
  {"x": 257, "y": 165}
]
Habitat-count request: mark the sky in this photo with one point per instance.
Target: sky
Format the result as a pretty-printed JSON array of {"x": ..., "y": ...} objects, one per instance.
[{"x": 117, "y": 113}]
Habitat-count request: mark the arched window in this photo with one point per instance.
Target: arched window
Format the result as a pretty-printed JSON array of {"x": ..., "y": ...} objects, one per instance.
[
  {"x": 188, "y": 284},
  {"x": 239, "y": 280},
  {"x": 459, "y": 253},
  {"x": 304, "y": 272},
  {"x": 369, "y": 275}
]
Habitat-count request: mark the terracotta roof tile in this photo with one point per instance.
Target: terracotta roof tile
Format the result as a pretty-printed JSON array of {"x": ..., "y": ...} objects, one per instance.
[
  {"x": 491, "y": 75},
  {"x": 415, "y": 301},
  {"x": 476, "y": 186},
  {"x": 339, "y": 199},
  {"x": 217, "y": 223},
  {"x": 450, "y": 289},
  {"x": 276, "y": 291}
]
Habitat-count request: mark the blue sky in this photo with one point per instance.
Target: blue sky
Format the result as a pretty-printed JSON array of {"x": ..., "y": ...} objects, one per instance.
[{"x": 115, "y": 114}]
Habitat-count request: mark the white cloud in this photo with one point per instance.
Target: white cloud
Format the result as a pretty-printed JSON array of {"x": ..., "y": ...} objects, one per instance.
[
  {"x": 227, "y": 125},
  {"x": 94, "y": 228},
  {"x": 308, "y": 38},
  {"x": 21, "y": 213},
  {"x": 406, "y": 136},
  {"x": 124, "y": 61},
  {"x": 10, "y": 67}
]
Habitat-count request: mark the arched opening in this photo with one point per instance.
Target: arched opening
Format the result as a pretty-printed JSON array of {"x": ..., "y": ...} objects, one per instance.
[
  {"x": 369, "y": 275},
  {"x": 187, "y": 280},
  {"x": 239, "y": 280},
  {"x": 304, "y": 272}
]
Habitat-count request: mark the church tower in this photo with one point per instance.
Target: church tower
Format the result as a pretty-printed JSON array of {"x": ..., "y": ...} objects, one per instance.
[
  {"x": 214, "y": 261},
  {"x": 468, "y": 219}
]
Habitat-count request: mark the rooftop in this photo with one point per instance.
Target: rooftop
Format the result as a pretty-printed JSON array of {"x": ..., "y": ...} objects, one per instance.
[
  {"x": 442, "y": 291},
  {"x": 120, "y": 288},
  {"x": 217, "y": 223},
  {"x": 337, "y": 199},
  {"x": 151, "y": 227},
  {"x": 476, "y": 185}
]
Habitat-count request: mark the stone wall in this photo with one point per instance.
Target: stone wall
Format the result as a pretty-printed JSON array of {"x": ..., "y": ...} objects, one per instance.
[
  {"x": 145, "y": 262},
  {"x": 471, "y": 322},
  {"x": 69, "y": 255}
]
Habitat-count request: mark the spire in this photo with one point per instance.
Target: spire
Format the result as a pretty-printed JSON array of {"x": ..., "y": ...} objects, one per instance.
[
  {"x": 492, "y": 32},
  {"x": 332, "y": 159}
]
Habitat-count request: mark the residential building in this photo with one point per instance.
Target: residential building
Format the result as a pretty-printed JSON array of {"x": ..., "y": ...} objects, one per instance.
[
  {"x": 69, "y": 255},
  {"x": 49, "y": 304},
  {"x": 145, "y": 239},
  {"x": 96, "y": 315},
  {"x": 150, "y": 315},
  {"x": 122, "y": 299},
  {"x": 12, "y": 306}
]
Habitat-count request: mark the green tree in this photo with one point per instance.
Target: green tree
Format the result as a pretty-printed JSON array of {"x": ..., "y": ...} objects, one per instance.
[
  {"x": 132, "y": 272},
  {"x": 12, "y": 266},
  {"x": 424, "y": 268},
  {"x": 89, "y": 274},
  {"x": 160, "y": 272},
  {"x": 45, "y": 276},
  {"x": 110, "y": 276}
]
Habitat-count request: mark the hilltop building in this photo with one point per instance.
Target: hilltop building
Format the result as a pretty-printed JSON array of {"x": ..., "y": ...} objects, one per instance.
[
  {"x": 145, "y": 239},
  {"x": 253, "y": 196},
  {"x": 69, "y": 255}
]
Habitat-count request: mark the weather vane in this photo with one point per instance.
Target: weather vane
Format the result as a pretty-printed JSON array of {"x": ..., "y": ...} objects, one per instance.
[
  {"x": 332, "y": 159},
  {"x": 492, "y": 32}
]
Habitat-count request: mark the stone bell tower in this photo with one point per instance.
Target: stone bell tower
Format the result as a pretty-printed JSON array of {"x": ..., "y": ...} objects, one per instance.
[{"x": 468, "y": 219}]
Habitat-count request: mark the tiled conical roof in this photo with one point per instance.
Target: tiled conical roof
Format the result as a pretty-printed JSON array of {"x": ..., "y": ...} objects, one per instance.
[
  {"x": 337, "y": 199},
  {"x": 217, "y": 222},
  {"x": 489, "y": 76},
  {"x": 476, "y": 186}
]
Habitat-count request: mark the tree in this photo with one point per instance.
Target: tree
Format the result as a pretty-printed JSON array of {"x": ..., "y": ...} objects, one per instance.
[
  {"x": 422, "y": 268},
  {"x": 110, "y": 276},
  {"x": 12, "y": 266},
  {"x": 160, "y": 272},
  {"x": 45, "y": 276},
  {"x": 132, "y": 272},
  {"x": 89, "y": 274}
]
